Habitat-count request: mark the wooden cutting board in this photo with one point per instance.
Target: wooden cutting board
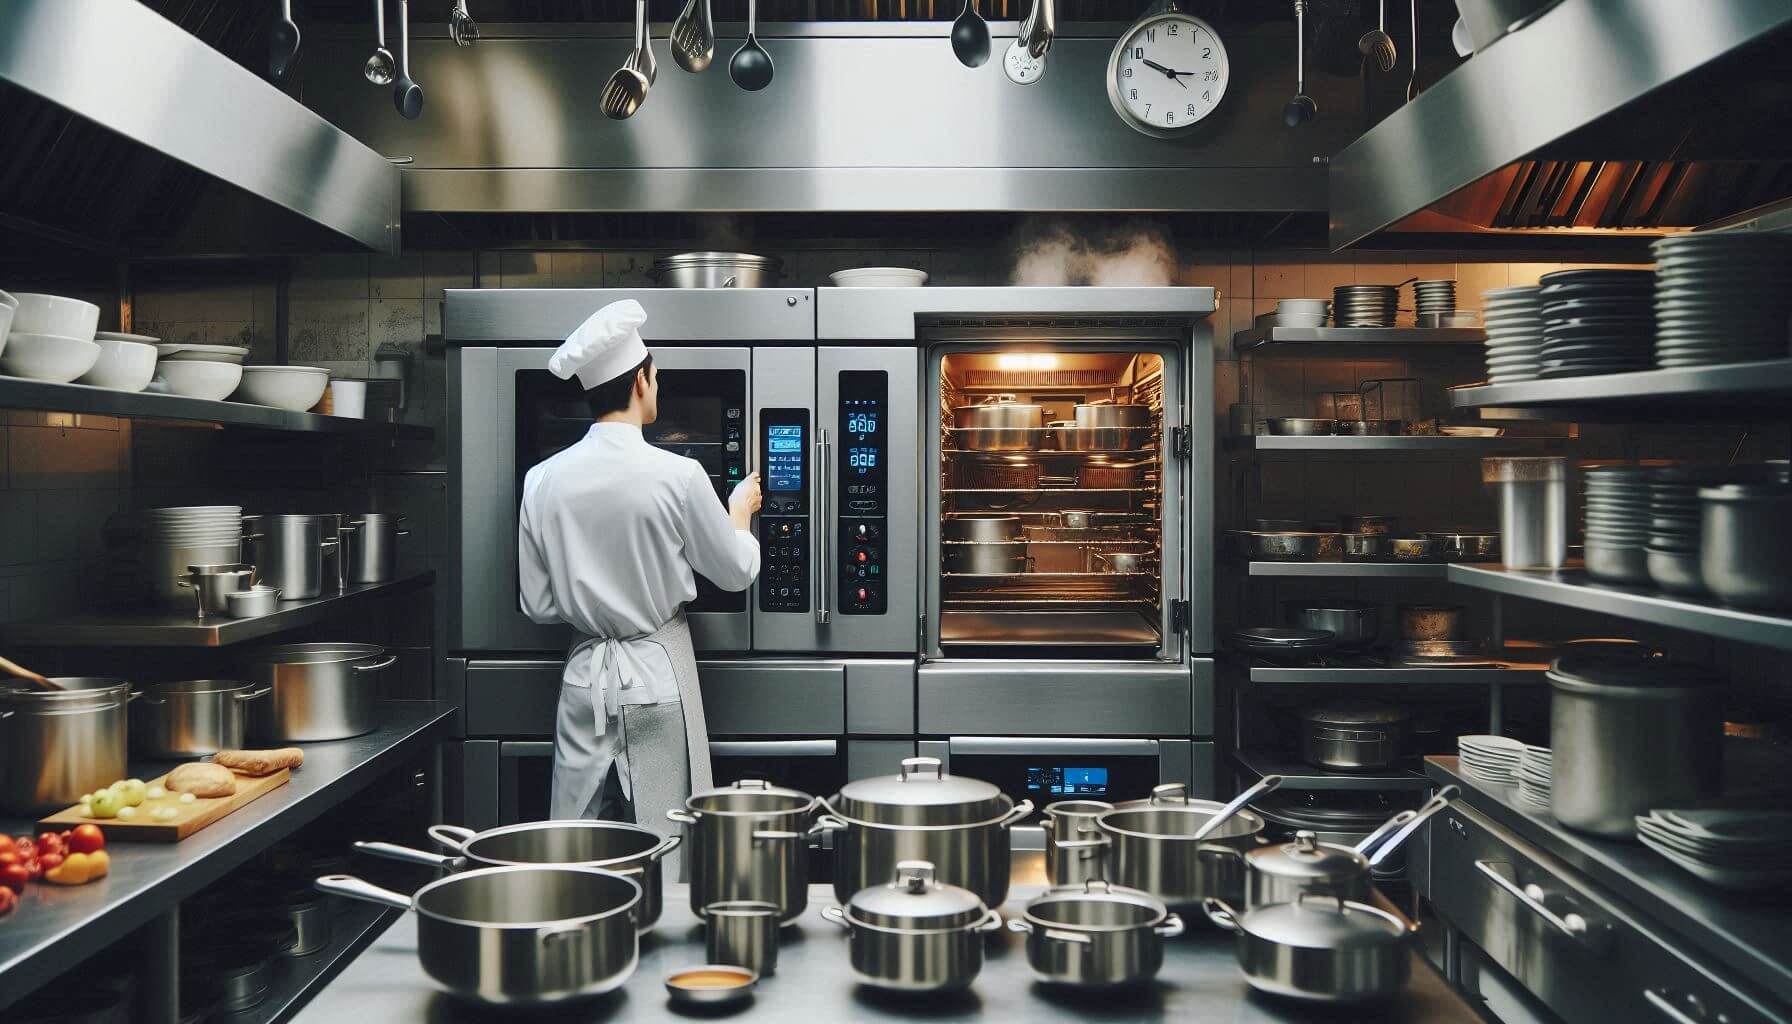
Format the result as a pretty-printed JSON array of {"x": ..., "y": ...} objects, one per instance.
[{"x": 143, "y": 828}]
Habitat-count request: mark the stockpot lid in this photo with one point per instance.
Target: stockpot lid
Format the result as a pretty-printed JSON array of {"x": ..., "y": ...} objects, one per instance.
[
  {"x": 1355, "y": 713},
  {"x": 316, "y": 654},
  {"x": 1096, "y": 906},
  {"x": 921, "y": 794},
  {"x": 916, "y": 901},
  {"x": 750, "y": 797},
  {"x": 1316, "y": 921},
  {"x": 1747, "y": 492},
  {"x": 1618, "y": 675},
  {"x": 1305, "y": 857},
  {"x": 77, "y": 693}
]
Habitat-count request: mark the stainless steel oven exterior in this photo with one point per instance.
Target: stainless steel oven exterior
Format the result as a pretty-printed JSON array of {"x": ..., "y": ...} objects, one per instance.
[{"x": 1521, "y": 919}]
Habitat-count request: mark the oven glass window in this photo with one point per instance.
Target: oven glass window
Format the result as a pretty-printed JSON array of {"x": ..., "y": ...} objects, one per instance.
[{"x": 703, "y": 416}]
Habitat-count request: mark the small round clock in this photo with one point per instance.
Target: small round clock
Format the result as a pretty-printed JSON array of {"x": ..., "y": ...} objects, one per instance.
[
  {"x": 1168, "y": 73},
  {"x": 1021, "y": 66}
]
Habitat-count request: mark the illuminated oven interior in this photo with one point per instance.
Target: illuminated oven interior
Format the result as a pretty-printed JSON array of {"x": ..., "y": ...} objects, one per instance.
[{"x": 1051, "y": 533}]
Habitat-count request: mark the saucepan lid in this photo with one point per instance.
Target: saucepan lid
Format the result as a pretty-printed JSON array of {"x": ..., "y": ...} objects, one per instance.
[{"x": 916, "y": 900}]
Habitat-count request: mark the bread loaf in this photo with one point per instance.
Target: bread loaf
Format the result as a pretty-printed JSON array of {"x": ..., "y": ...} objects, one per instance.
[
  {"x": 260, "y": 762},
  {"x": 201, "y": 779}
]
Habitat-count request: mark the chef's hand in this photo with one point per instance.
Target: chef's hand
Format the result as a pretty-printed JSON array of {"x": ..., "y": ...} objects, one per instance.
[{"x": 743, "y": 501}]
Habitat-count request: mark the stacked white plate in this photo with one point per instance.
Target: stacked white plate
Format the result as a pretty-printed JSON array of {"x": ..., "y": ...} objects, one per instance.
[
  {"x": 1746, "y": 850},
  {"x": 1435, "y": 297},
  {"x": 1514, "y": 321},
  {"x": 174, "y": 538},
  {"x": 1533, "y": 776},
  {"x": 1490, "y": 758},
  {"x": 1722, "y": 298}
]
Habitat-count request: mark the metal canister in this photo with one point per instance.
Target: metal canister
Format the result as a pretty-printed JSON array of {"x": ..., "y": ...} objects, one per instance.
[
  {"x": 1533, "y": 499},
  {"x": 370, "y": 551}
]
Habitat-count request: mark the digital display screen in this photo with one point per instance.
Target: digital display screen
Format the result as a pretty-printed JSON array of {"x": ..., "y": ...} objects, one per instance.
[
  {"x": 859, "y": 421},
  {"x": 784, "y": 458},
  {"x": 861, "y": 459},
  {"x": 1068, "y": 782}
]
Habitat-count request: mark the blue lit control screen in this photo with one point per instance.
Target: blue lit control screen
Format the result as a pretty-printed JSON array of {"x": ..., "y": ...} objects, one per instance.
[
  {"x": 1068, "y": 782},
  {"x": 784, "y": 458}
]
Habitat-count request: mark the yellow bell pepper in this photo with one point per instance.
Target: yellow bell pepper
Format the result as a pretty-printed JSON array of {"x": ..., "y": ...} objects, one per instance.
[{"x": 80, "y": 868}]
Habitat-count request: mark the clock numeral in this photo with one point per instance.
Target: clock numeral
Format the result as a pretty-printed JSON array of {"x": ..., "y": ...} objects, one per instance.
[
  {"x": 1206, "y": 52},
  {"x": 1133, "y": 95},
  {"x": 1126, "y": 72},
  {"x": 1147, "y": 110},
  {"x": 1172, "y": 28},
  {"x": 1207, "y": 95},
  {"x": 1169, "y": 117},
  {"x": 1210, "y": 76},
  {"x": 1151, "y": 35},
  {"x": 1192, "y": 112},
  {"x": 1138, "y": 53}
]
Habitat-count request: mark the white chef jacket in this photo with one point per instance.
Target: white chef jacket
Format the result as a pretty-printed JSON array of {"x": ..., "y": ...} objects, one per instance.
[{"x": 611, "y": 532}]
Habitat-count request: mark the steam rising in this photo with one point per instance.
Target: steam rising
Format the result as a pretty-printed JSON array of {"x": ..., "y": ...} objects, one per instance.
[{"x": 1129, "y": 252}]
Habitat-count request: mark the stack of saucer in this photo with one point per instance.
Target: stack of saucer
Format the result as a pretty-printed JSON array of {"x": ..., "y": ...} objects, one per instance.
[
  {"x": 1365, "y": 305},
  {"x": 1722, "y": 298},
  {"x": 1492, "y": 759},
  {"x": 1514, "y": 334},
  {"x": 1436, "y": 298},
  {"x": 1748, "y": 850},
  {"x": 1618, "y": 510},
  {"x": 1533, "y": 777},
  {"x": 1597, "y": 321}
]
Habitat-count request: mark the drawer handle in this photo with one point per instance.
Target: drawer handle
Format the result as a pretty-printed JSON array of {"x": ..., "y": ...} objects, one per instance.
[
  {"x": 1573, "y": 925},
  {"x": 1661, "y": 1002}
]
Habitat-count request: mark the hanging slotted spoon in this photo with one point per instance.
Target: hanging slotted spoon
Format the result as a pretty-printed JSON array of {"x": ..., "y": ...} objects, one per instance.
[
  {"x": 461, "y": 26},
  {"x": 627, "y": 89},
  {"x": 1377, "y": 44},
  {"x": 694, "y": 37}
]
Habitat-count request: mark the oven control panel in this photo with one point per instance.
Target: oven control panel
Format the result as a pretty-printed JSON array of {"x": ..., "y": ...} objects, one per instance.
[
  {"x": 784, "y": 529},
  {"x": 862, "y": 501}
]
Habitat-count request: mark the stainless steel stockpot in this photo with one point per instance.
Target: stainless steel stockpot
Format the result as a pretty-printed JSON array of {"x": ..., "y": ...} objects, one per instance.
[
  {"x": 192, "y": 717},
  {"x": 56, "y": 745},
  {"x": 615, "y": 846},
  {"x": 1319, "y": 948},
  {"x": 1153, "y": 848},
  {"x": 289, "y": 553},
  {"x": 369, "y": 550},
  {"x": 1353, "y": 624},
  {"x": 1745, "y": 552},
  {"x": 1096, "y": 934},
  {"x": 1352, "y": 735},
  {"x": 1074, "y": 844},
  {"x": 999, "y": 424},
  {"x": 915, "y": 934},
  {"x": 748, "y": 841},
  {"x": 520, "y": 935},
  {"x": 321, "y": 691},
  {"x": 1107, "y": 427},
  {"x": 957, "y": 824}
]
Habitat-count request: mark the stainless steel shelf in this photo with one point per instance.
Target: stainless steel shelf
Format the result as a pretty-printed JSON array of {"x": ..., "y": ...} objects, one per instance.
[
  {"x": 1300, "y": 775},
  {"x": 1730, "y": 390},
  {"x": 132, "y": 628},
  {"x": 1353, "y": 570},
  {"x": 297, "y": 979},
  {"x": 1515, "y": 675},
  {"x": 16, "y": 393},
  {"x": 1308, "y": 340},
  {"x": 1388, "y": 445},
  {"x": 1573, "y": 588}
]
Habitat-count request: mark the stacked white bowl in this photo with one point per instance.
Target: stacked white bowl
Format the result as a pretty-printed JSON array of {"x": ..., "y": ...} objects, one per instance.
[
  {"x": 127, "y": 362},
  {"x": 211, "y": 372},
  {"x": 51, "y": 338},
  {"x": 9, "y": 306},
  {"x": 174, "y": 538},
  {"x": 293, "y": 388}
]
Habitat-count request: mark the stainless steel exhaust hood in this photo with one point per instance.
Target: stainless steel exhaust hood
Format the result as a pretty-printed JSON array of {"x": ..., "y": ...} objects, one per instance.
[
  {"x": 861, "y": 117},
  {"x": 1600, "y": 116}
]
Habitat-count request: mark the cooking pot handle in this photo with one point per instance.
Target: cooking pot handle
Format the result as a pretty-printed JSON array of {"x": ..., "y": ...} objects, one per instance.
[
  {"x": 680, "y": 815},
  {"x": 392, "y": 851},
  {"x": 1086, "y": 849},
  {"x": 750, "y": 784},
  {"x": 836, "y": 915},
  {"x": 1430, "y": 807},
  {"x": 385, "y": 662},
  {"x": 7, "y": 714},
  {"x": 327, "y": 545},
  {"x": 1368, "y": 844},
  {"x": 252, "y": 694},
  {"x": 355, "y": 889},
  {"x": 1172, "y": 927},
  {"x": 1221, "y": 913},
  {"x": 667, "y": 846},
  {"x": 1002, "y": 399},
  {"x": 774, "y": 836},
  {"x": 564, "y": 933},
  {"x": 1020, "y": 810},
  {"x": 145, "y": 698},
  {"x": 991, "y": 923},
  {"x": 915, "y": 764},
  {"x": 1161, "y": 794},
  {"x": 827, "y": 823},
  {"x": 454, "y": 837},
  {"x": 1020, "y": 926}
]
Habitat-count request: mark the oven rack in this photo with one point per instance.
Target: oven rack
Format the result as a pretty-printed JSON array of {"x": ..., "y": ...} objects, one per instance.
[
  {"x": 1147, "y": 456},
  {"x": 1042, "y": 576},
  {"x": 1089, "y": 543},
  {"x": 1048, "y": 490}
]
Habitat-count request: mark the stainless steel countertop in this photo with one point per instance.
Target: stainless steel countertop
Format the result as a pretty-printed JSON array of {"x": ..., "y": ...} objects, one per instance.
[
  {"x": 55, "y": 928},
  {"x": 1199, "y": 982},
  {"x": 1744, "y": 933}
]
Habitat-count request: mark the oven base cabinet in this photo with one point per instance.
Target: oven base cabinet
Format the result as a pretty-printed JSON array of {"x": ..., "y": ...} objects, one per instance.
[
  {"x": 1088, "y": 698},
  {"x": 1580, "y": 953}
]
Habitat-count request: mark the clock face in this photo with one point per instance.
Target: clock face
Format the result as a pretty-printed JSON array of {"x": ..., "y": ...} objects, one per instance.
[
  {"x": 1168, "y": 73},
  {"x": 1022, "y": 67}
]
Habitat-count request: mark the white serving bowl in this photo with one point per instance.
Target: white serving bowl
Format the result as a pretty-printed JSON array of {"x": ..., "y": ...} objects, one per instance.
[
  {"x": 6, "y": 314},
  {"x": 47, "y": 357},
  {"x": 878, "y": 277},
  {"x": 197, "y": 379},
  {"x": 206, "y": 353},
  {"x": 141, "y": 339},
  {"x": 122, "y": 366},
  {"x": 53, "y": 314},
  {"x": 295, "y": 388}
]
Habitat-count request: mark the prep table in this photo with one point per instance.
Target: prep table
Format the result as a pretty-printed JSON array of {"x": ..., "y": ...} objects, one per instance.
[{"x": 1200, "y": 980}]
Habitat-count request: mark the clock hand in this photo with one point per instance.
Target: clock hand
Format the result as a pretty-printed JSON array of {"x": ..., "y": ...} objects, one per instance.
[{"x": 1155, "y": 66}]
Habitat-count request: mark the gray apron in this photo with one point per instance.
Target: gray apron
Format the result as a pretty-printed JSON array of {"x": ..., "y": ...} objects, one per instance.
[{"x": 660, "y": 749}]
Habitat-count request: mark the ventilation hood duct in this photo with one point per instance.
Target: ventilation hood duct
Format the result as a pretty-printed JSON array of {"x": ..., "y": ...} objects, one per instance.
[
  {"x": 862, "y": 117},
  {"x": 1615, "y": 117}
]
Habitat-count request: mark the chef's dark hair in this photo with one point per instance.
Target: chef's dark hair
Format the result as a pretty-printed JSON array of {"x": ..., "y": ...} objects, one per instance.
[{"x": 613, "y": 394}]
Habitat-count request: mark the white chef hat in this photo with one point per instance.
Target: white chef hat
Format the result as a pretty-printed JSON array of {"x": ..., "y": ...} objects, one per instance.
[{"x": 607, "y": 345}]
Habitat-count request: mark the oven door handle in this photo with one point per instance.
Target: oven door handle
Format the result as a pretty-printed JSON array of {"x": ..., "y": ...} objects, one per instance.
[
  {"x": 824, "y": 524},
  {"x": 1591, "y": 933},
  {"x": 773, "y": 748}
]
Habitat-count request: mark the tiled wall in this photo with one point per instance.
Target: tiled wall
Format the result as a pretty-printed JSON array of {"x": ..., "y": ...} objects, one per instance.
[{"x": 61, "y": 477}]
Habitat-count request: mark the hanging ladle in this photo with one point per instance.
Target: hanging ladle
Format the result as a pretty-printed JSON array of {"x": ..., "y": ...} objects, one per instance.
[
  {"x": 1224, "y": 814},
  {"x": 1301, "y": 108},
  {"x": 751, "y": 67},
  {"x": 380, "y": 69},
  {"x": 15, "y": 669},
  {"x": 283, "y": 41},
  {"x": 970, "y": 36},
  {"x": 407, "y": 95}
]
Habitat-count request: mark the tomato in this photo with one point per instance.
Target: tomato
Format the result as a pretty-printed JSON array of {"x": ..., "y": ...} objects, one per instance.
[
  {"x": 10, "y": 857},
  {"x": 14, "y": 876},
  {"x": 8, "y": 900},
  {"x": 86, "y": 839},
  {"x": 49, "y": 842},
  {"x": 26, "y": 848},
  {"x": 5, "y": 843},
  {"x": 47, "y": 862}
]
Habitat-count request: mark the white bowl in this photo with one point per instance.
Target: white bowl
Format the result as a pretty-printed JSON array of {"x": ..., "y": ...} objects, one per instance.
[
  {"x": 122, "y": 366},
  {"x": 295, "y": 388},
  {"x": 197, "y": 379},
  {"x": 1311, "y": 307},
  {"x": 6, "y": 314},
  {"x": 878, "y": 277},
  {"x": 47, "y": 357},
  {"x": 53, "y": 314},
  {"x": 141, "y": 339},
  {"x": 206, "y": 353}
]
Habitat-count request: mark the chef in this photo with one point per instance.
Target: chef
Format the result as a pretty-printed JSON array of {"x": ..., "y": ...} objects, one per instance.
[{"x": 613, "y": 532}]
